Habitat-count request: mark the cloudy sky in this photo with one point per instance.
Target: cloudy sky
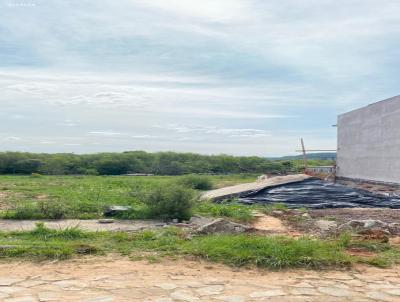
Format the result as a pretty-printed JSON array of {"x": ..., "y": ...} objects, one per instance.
[{"x": 246, "y": 77}]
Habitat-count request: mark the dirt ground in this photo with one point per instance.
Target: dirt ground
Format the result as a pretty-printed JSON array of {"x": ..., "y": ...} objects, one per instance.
[
  {"x": 119, "y": 279},
  {"x": 344, "y": 215},
  {"x": 304, "y": 222},
  {"x": 372, "y": 187}
]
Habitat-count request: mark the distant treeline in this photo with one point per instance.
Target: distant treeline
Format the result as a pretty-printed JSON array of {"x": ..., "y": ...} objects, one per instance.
[{"x": 161, "y": 163}]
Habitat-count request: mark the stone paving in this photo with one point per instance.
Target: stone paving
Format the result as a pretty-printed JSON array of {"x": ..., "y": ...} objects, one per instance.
[{"x": 105, "y": 279}]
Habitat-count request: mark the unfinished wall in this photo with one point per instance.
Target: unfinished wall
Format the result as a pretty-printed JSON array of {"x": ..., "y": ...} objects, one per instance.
[{"x": 369, "y": 142}]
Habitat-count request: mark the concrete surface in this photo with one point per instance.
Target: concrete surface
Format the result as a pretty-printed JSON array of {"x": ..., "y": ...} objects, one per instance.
[
  {"x": 253, "y": 187},
  {"x": 369, "y": 142},
  {"x": 87, "y": 225}
]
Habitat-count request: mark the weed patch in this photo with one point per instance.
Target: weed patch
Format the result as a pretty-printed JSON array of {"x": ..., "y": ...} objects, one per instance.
[
  {"x": 196, "y": 182},
  {"x": 274, "y": 252},
  {"x": 241, "y": 213}
]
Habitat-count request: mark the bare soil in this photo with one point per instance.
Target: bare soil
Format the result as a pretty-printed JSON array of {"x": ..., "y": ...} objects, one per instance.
[
  {"x": 304, "y": 222},
  {"x": 372, "y": 187},
  {"x": 344, "y": 215}
]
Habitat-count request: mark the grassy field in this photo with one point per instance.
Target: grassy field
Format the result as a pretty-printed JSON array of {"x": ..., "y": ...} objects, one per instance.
[
  {"x": 85, "y": 197},
  {"x": 274, "y": 252},
  {"x": 25, "y": 197}
]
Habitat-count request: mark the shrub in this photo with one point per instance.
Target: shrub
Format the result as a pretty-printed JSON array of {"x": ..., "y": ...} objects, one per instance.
[
  {"x": 197, "y": 182},
  {"x": 37, "y": 210},
  {"x": 23, "y": 211},
  {"x": 52, "y": 209},
  {"x": 169, "y": 202},
  {"x": 36, "y": 175}
]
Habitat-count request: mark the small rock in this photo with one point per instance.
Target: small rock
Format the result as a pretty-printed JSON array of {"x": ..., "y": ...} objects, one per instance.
[
  {"x": 326, "y": 225},
  {"x": 114, "y": 210},
  {"x": 394, "y": 228},
  {"x": 360, "y": 226},
  {"x": 371, "y": 223},
  {"x": 106, "y": 221},
  {"x": 277, "y": 213},
  {"x": 198, "y": 220},
  {"x": 175, "y": 220},
  {"x": 306, "y": 215},
  {"x": 223, "y": 226}
]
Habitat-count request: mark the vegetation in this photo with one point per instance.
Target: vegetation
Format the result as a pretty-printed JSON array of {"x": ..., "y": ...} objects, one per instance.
[
  {"x": 197, "y": 182},
  {"x": 84, "y": 197},
  {"x": 162, "y": 163},
  {"x": 236, "y": 250},
  {"x": 238, "y": 212},
  {"x": 269, "y": 208},
  {"x": 172, "y": 202}
]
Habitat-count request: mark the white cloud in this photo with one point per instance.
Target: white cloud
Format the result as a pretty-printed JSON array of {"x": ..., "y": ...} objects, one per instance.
[
  {"x": 12, "y": 138},
  {"x": 207, "y": 10},
  {"x": 209, "y": 130},
  {"x": 106, "y": 133},
  {"x": 46, "y": 142},
  {"x": 242, "y": 65},
  {"x": 144, "y": 136}
]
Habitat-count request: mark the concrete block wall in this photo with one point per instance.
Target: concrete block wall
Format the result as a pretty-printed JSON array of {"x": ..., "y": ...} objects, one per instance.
[{"x": 369, "y": 142}]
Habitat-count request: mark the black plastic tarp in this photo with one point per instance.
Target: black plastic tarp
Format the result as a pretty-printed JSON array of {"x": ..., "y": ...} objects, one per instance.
[{"x": 317, "y": 194}]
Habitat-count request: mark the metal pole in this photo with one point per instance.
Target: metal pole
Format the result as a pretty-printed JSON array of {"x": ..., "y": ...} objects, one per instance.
[{"x": 304, "y": 155}]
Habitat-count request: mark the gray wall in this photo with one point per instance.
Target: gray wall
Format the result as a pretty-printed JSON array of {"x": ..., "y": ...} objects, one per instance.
[{"x": 369, "y": 142}]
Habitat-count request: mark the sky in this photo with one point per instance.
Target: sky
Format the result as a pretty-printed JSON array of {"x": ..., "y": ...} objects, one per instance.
[{"x": 241, "y": 77}]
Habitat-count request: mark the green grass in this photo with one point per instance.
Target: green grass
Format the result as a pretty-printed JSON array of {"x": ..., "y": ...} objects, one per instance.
[
  {"x": 271, "y": 252},
  {"x": 269, "y": 208},
  {"x": 274, "y": 252},
  {"x": 85, "y": 197},
  {"x": 238, "y": 212}
]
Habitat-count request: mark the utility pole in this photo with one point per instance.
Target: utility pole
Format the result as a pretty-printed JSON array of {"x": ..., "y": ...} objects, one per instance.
[{"x": 304, "y": 155}]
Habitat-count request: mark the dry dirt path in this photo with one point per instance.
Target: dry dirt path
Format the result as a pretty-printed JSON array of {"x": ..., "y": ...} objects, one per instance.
[
  {"x": 87, "y": 225},
  {"x": 119, "y": 279}
]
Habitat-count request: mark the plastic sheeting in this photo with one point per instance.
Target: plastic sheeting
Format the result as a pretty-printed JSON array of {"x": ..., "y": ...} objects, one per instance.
[{"x": 318, "y": 194}]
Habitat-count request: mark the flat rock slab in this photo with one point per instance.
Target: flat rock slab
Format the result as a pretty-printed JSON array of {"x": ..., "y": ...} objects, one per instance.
[
  {"x": 87, "y": 225},
  {"x": 253, "y": 187},
  {"x": 118, "y": 279}
]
